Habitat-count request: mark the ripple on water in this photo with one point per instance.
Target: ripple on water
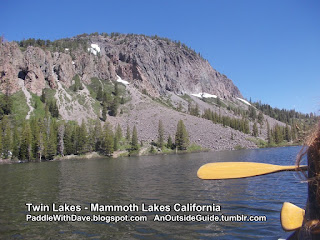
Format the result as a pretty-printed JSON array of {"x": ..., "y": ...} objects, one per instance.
[{"x": 150, "y": 179}]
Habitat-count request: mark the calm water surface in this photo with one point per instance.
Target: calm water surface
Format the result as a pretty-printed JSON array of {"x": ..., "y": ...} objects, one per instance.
[{"x": 163, "y": 180}]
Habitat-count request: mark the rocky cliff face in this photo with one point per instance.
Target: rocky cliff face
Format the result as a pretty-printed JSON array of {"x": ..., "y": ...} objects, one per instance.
[
  {"x": 156, "y": 65},
  {"x": 164, "y": 65}
]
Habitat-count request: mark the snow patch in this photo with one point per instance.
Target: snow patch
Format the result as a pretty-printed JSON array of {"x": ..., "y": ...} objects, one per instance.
[
  {"x": 73, "y": 63},
  {"x": 119, "y": 79},
  {"x": 204, "y": 95},
  {"x": 66, "y": 49},
  {"x": 244, "y": 101},
  {"x": 94, "y": 48},
  {"x": 207, "y": 95},
  {"x": 199, "y": 95}
]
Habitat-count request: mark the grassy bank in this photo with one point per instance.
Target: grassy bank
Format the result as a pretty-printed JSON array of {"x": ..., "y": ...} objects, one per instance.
[{"x": 264, "y": 144}]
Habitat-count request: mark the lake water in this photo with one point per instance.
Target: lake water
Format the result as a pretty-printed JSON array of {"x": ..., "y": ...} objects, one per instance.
[{"x": 161, "y": 180}]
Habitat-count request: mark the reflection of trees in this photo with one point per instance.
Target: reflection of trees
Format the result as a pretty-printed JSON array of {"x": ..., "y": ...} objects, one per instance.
[
  {"x": 27, "y": 183},
  {"x": 163, "y": 180}
]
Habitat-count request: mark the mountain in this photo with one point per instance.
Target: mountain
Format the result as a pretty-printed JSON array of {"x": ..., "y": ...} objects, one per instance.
[
  {"x": 155, "y": 64},
  {"x": 131, "y": 80}
]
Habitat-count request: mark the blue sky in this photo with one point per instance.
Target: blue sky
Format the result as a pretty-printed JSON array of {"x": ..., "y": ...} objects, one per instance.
[{"x": 270, "y": 49}]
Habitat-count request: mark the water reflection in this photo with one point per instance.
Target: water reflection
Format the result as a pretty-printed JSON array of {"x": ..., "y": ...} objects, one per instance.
[{"x": 158, "y": 179}]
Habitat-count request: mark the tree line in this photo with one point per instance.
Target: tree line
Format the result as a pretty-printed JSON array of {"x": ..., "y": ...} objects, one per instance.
[
  {"x": 5, "y": 105},
  {"x": 60, "y": 45},
  {"x": 282, "y": 115},
  {"x": 281, "y": 133},
  {"x": 241, "y": 125},
  {"x": 181, "y": 138},
  {"x": 110, "y": 102},
  {"x": 297, "y": 124},
  {"x": 81, "y": 42},
  {"x": 43, "y": 138}
]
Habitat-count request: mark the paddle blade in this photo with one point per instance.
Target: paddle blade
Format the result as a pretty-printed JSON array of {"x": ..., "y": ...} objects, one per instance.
[
  {"x": 291, "y": 217},
  {"x": 228, "y": 170}
]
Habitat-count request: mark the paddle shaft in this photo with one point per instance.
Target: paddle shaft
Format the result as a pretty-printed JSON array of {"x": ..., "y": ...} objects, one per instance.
[{"x": 230, "y": 170}]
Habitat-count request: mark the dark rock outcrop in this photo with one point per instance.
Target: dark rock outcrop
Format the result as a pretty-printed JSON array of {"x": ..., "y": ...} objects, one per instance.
[{"x": 154, "y": 64}]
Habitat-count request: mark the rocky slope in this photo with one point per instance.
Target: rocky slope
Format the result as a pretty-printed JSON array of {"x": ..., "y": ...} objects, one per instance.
[
  {"x": 146, "y": 113},
  {"x": 161, "y": 69}
]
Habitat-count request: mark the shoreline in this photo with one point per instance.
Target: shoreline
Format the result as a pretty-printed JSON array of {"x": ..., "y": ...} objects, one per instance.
[
  {"x": 90, "y": 155},
  {"x": 121, "y": 153},
  {"x": 82, "y": 156}
]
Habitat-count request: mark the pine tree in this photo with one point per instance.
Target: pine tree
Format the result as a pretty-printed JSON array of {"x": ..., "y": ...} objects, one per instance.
[
  {"x": 134, "y": 140},
  {"x": 252, "y": 113},
  {"x": 104, "y": 112},
  {"x": 293, "y": 132},
  {"x": 169, "y": 143},
  {"x": 119, "y": 132},
  {"x": 68, "y": 142},
  {"x": 189, "y": 107},
  {"x": 278, "y": 135},
  {"x": 196, "y": 110},
  {"x": 35, "y": 128},
  {"x": 6, "y": 136},
  {"x": 42, "y": 137},
  {"x": 106, "y": 99},
  {"x": 218, "y": 101},
  {"x": 269, "y": 135},
  {"x": 53, "y": 109},
  {"x": 255, "y": 130},
  {"x": 61, "y": 131},
  {"x": 77, "y": 140},
  {"x": 287, "y": 133},
  {"x": 77, "y": 83},
  {"x": 25, "y": 152},
  {"x": 193, "y": 110},
  {"x": 247, "y": 126},
  {"x": 51, "y": 143},
  {"x": 116, "y": 89},
  {"x": 114, "y": 106},
  {"x": 15, "y": 142},
  {"x": 91, "y": 137},
  {"x": 182, "y": 138},
  {"x": 0, "y": 145},
  {"x": 97, "y": 135},
  {"x": 108, "y": 141},
  {"x": 99, "y": 94},
  {"x": 260, "y": 118},
  {"x": 46, "y": 111},
  {"x": 160, "y": 135},
  {"x": 179, "y": 108},
  {"x": 6, "y": 101},
  {"x": 128, "y": 133},
  {"x": 115, "y": 143},
  {"x": 43, "y": 96},
  {"x": 82, "y": 138}
]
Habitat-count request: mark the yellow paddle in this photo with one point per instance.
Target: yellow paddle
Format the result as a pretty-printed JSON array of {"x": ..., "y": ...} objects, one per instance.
[
  {"x": 291, "y": 217},
  {"x": 228, "y": 170}
]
